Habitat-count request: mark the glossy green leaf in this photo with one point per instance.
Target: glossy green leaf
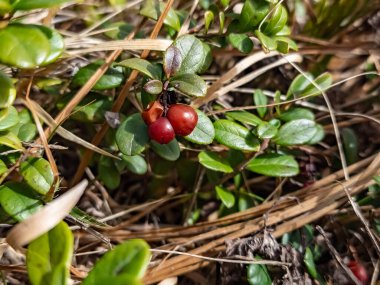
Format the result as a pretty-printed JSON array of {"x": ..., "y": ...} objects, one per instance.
[
  {"x": 241, "y": 42},
  {"x": 56, "y": 43},
  {"x": 235, "y": 136},
  {"x": 274, "y": 165},
  {"x": 324, "y": 81},
  {"x": 275, "y": 122},
  {"x": 227, "y": 198},
  {"x": 48, "y": 257},
  {"x": 252, "y": 14},
  {"x": 18, "y": 200},
  {"x": 296, "y": 132},
  {"x": 37, "y": 174},
  {"x": 170, "y": 151},
  {"x": 244, "y": 117},
  {"x": 203, "y": 132},
  {"x": 111, "y": 79},
  {"x": 172, "y": 61},
  {"x": 192, "y": 52},
  {"x": 207, "y": 58},
  {"x": 10, "y": 140},
  {"x": 222, "y": 21},
  {"x": 268, "y": 43},
  {"x": 36, "y": 4},
  {"x": 108, "y": 172},
  {"x": 276, "y": 22},
  {"x": 266, "y": 130},
  {"x": 143, "y": 66},
  {"x": 260, "y": 100},
  {"x": 258, "y": 274},
  {"x": 189, "y": 84},
  {"x": 209, "y": 18},
  {"x": 153, "y": 9},
  {"x": 298, "y": 84},
  {"x": 153, "y": 87},
  {"x": 309, "y": 262},
  {"x": 23, "y": 46},
  {"x": 8, "y": 118},
  {"x": 132, "y": 135},
  {"x": 26, "y": 132},
  {"x": 7, "y": 91},
  {"x": 129, "y": 259},
  {"x": 5, "y": 7},
  {"x": 350, "y": 144},
  {"x": 135, "y": 164},
  {"x": 284, "y": 44},
  {"x": 319, "y": 135},
  {"x": 296, "y": 113},
  {"x": 3, "y": 167},
  {"x": 214, "y": 162}
]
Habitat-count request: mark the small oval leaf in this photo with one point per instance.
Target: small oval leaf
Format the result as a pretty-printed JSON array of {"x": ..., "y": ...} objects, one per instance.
[
  {"x": 204, "y": 131},
  {"x": 8, "y": 118},
  {"x": 135, "y": 164},
  {"x": 296, "y": 132},
  {"x": 7, "y": 91},
  {"x": 37, "y": 174},
  {"x": 274, "y": 165},
  {"x": 227, "y": 198},
  {"x": 266, "y": 130},
  {"x": 189, "y": 84},
  {"x": 192, "y": 53},
  {"x": 244, "y": 117},
  {"x": 170, "y": 151},
  {"x": 153, "y": 87},
  {"x": 143, "y": 66},
  {"x": 214, "y": 162},
  {"x": 172, "y": 61}
]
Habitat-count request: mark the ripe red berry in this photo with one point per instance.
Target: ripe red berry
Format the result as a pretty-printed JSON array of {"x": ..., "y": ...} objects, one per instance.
[
  {"x": 183, "y": 119},
  {"x": 359, "y": 271},
  {"x": 161, "y": 131},
  {"x": 152, "y": 112}
]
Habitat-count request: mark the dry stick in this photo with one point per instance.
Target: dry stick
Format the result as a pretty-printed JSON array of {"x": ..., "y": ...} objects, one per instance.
[
  {"x": 375, "y": 274},
  {"x": 120, "y": 99},
  {"x": 337, "y": 256}
]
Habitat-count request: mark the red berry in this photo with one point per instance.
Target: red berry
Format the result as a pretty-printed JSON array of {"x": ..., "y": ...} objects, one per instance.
[
  {"x": 161, "y": 131},
  {"x": 183, "y": 119},
  {"x": 152, "y": 112},
  {"x": 359, "y": 271}
]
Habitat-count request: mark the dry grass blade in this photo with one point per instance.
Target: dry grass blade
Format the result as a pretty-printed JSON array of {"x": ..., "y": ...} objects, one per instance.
[
  {"x": 45, "y": 219},
  {"x": 65, "y": 133},
  {"x": 155, "y": 45}
]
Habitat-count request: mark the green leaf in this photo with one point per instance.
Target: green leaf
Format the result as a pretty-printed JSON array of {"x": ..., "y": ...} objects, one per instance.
[
  {"x": 172, "y": 61},
  {"x": 10, "y": 140},
  {"x": 26, "y": 132},
  {"x": 260, "y": 100},
  {"x": 319, "y": 135},
  {"x": 168, "y": 151},
  {"x": 284, "y": 44},
  {"x": 189, "y": 84},
  {"x": 48, "y": 257},
  {"x": 267, "y": 42},
  {"x": 192, "y": 52},
  {"x": 56, "y": 43},
  {"x": 153, "y": 9},
  {"x": 207, "y": 58},
  {"x": 129, "y": 259},
  {"x": 3, "y": 167},
  {"x": 36, "y": 4},
  {"x": 350, "y": 145},
  {"x": 135, "y": 164},
  {"x": 309, "y": 262},
  {"x": 241, "y": 42},
  {"x": 324, "y": 81},
  {"x": 7, "y": 91},
  {"x": 8, "y": 118},
  {"x": 266, "y": 130},
  {"x": 214, "y": 162},
  {"x": 274, "y": 165},
  {"x": 298, "y": 85},
  {"x": 111, "y": 79},
  {"x": 37, "y": 174},
  {"x": 244, "y": 117},
  {"x": 252, "y": 13},
  {"x": 153, "y": 87},
  {"x": 276, "y": 22},
  {"x": 132, "y": 135},
  {"x": 225, "y": 3},
  {"x": 209, "y": 18},
  {"x": 235, "y": 136},
  {"x": 143, "y": 66},
  {"x": 257, "y": 274},
  {"x": 108, "y": 172},
  {"x": 23, "y": 46},
  {"x": 227, "y": 198},
  {"x": 297, "y": 113},
  {"x": 203, "y": 132},
  {"x": 5, "y": 7},
  {"x": 18, "y": 200},
  {"x": 296, "y": 132}
]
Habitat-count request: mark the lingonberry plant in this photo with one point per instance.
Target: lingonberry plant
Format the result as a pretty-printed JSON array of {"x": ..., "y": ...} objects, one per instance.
[{"x": 212, "y": 133}]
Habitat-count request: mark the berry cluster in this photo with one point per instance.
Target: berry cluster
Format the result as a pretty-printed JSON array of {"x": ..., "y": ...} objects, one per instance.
[{"x": 180, "y": 120}]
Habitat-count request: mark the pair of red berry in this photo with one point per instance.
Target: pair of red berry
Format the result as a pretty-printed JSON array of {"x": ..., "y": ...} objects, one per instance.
[{"x": 180, "y": 120}]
